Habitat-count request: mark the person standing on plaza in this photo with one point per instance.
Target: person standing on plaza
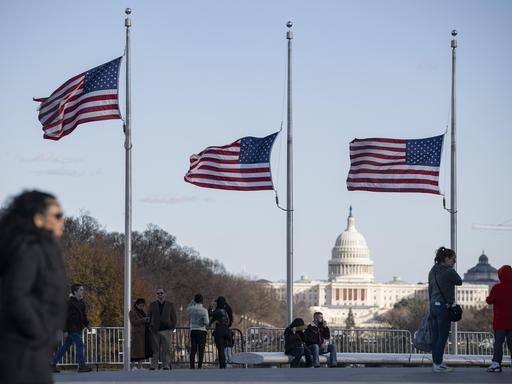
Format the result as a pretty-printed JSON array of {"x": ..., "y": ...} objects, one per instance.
[
  {"x": 228, "y": 348},
  {"x": 32, "y": 286},
  {"x": 220, "y": 319},
  {"x": 140, "y": 338},
  {"x": 75, "y": 323},
  {"x": 198, "y": 322},
  {"x": 295, "y": 343},
  {"x": 501, "y": 299},
  {"x": 317, "y": 339},
  {"x": 442, "y": 280},
  {"x": 162, "y": 316}
]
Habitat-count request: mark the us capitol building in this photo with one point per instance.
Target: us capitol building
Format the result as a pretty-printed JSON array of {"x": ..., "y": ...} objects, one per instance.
[{"x": 351, "y": 285}]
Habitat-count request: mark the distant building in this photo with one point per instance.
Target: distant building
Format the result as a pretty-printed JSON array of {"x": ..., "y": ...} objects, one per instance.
[
  {"x": 482, "y": 273},
  {"x": 351, "y": 285}
]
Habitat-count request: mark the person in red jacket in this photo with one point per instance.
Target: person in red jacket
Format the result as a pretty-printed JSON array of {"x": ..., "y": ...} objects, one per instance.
[{"x": 501, "y": 299}]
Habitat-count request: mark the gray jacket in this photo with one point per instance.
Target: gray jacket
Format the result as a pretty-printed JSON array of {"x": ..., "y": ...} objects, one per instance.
[
  {"x": 447, "y": 278},
  {"x": 198, "y": 316}
]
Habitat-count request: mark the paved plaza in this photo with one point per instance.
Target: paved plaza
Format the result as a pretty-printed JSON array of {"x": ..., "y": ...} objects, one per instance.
[{"x": 287, "y": 375}]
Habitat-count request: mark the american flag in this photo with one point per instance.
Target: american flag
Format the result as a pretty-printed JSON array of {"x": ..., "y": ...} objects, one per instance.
[
  {"x": 395, "y": 165},
  {"x": 243, "y": 165},
  {"x": 90, "y": 96}
]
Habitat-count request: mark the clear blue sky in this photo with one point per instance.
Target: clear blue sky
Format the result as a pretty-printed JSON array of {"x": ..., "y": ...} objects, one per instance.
[{"x": 209, "y": 72}]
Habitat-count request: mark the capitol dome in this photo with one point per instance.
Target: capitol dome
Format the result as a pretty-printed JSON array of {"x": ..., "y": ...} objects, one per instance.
[{"x": 350, "y": 260}]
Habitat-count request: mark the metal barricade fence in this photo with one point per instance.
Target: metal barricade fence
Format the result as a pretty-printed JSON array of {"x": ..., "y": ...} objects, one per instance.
[
  {"x": 346, "y": 340},
  {"x": 372, "y": 341},
  {"x": 477, "y": 343},
  {"x": 104, "y": 346}
]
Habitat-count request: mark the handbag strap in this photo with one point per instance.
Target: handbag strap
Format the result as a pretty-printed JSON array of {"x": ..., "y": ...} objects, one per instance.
[{"x": 440, "y": 290}]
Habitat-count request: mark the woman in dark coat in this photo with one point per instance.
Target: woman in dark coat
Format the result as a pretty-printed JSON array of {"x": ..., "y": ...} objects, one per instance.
[
  {"x": 141, "y": 338},
  {"x": 32, "y": 287},
  {"x": 219, "y": 317}
]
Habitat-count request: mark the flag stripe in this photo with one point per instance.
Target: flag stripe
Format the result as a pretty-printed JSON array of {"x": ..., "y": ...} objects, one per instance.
[
  {"x": 233, "y": 186},
  {"x": 256, "y": 168},
  {"x": 72, "y": 127},
  {"x": 391, "y": 189}
]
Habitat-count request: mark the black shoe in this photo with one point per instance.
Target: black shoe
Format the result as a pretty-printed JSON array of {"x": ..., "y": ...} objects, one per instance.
[
  {"x": 165, "y": 368},
  {"x": 152, "y": 368},
  {"x": 54, "y": 368},
  {"x": 85, "y": 368}
]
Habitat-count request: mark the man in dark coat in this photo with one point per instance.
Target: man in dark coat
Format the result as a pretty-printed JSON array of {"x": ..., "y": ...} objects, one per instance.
[
  {"x": 162, "y": 316},
  {"x": 32, "y": 287},
  {"x": 75, "y": 323},
  {"x": 294, "y": 343},
  {"x": 317, "y": 339}
]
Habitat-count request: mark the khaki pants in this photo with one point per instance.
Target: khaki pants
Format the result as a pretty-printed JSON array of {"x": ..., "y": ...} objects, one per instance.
[{"x": 161, "y": 349}]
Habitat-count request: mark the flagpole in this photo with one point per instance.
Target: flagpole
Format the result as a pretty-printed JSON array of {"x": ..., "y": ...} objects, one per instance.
[
  {"x": 453, "y": 182},
  {"x": 128, "y": 202},
  {"x": 289, "y": 184}
]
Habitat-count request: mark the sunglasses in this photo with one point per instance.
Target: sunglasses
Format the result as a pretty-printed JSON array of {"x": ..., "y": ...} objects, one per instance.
[
  {"x": 159, "y": 293},
  {"x": 58, "y": 215}
]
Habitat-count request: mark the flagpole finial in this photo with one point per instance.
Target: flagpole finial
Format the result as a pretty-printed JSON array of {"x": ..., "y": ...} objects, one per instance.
[
  {"x": 128, "y": 21},
  {"x": 454, "y": 38}
]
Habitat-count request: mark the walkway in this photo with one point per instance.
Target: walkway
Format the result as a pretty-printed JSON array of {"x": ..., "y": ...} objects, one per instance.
[{"x": 287, "y": 375}]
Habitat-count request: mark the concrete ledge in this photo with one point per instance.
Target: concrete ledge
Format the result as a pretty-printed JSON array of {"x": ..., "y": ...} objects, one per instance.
[{"x": 270, "y": 358}]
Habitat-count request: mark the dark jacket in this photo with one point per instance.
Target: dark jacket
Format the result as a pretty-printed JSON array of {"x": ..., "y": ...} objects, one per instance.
[
  {"x": 293, "y": 340},
  {"x": 77, "y": 316},
  {"x": 162, "y": 321},
  {"x": 32, "y": 310},
  {"x": 501, "y": 299},
  {"x": 316, "y": 334},
  {"x": 221, "y": 319},
  {"x": 447, "y": 278},
  {"x": 221, "y": 303}
]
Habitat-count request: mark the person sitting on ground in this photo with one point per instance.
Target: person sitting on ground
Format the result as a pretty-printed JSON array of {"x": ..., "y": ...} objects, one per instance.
[
  {"x": 294, "y": 343},
  {"x": 501, "y": 299},
  {"x": 317, "y": 339}
]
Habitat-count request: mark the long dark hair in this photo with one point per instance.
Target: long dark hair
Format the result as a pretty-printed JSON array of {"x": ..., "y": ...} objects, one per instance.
[{"x": 17, "y": 221}]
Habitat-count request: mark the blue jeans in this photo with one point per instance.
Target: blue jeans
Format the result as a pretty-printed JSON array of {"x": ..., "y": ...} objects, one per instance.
[
  {"x": 440, "y": 331},
  {"x": 317, "y": 350},
  {"x": 76, "y": 338}
]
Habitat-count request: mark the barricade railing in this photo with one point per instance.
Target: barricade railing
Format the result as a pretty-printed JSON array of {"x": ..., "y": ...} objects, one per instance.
[
  {"x": 477, "y": 343},
  {"x": 346, "y": 340},
  {"x": 104, "y": 346},
  {"x": 372, "y": 341}
]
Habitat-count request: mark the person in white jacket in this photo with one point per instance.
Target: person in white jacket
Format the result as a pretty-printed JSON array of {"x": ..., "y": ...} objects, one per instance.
[{"x": 198, "y": 322}]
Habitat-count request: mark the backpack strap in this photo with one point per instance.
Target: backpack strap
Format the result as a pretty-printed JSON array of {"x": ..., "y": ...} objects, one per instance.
[{"x": 438, "y": 287}]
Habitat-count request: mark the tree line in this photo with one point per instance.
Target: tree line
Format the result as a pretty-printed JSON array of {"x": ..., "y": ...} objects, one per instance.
[
  {"x": 408, "y": 313},
  {"x": 94, "y": 257}
]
